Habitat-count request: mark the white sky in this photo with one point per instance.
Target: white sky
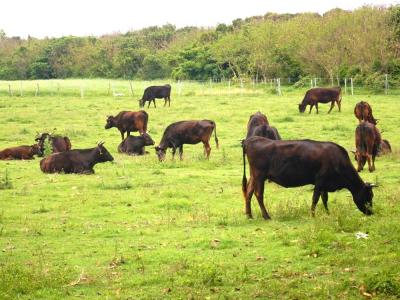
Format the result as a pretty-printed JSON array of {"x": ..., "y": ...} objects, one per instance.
[{"x": 55, "y": 18}]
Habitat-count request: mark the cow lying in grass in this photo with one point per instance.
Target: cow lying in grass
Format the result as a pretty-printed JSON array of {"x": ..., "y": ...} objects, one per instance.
[
  {"x": 76, "y": 161},
  {"x": 21, "y": 152},
  {"x": 134, "y": 145}
]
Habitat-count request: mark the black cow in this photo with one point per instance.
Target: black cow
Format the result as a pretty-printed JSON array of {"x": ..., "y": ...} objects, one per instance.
[
  {"x": 326, "y": 165},
  {"x": 155, "y": 91},
  {"x": 75, "y": 161},
  {"x": 321, "y": 95},
  {"x": 187, "y": 132},
  {"x": 134, "y": 145}
]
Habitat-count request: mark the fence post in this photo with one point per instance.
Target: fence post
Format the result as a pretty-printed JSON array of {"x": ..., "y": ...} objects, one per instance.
[
  {"x": 278, "y": 86},
  {"x": 386, "y": 84},
  {"x": 345, "y": 86},
  {"x": 20, "y": 89},
  {"x": 241, "y": 86},
  {"x": 37, "y": 90},
  {"x": 130, "y": 84},
  {"x": 315, "y": 82},
  {"x": 9, "y": 90},
  {"x": 352, "y": 87},
  {"x": 58, "y": 89},
  {"x": 229, "y": 87},
  {"x": 109, "y": 88},
  {"x": 311, "y": 83}
]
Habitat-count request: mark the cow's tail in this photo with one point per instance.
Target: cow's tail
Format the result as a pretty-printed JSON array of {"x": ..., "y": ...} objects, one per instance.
[
  {"x": 146, "y": 119},
  {"x": 68, "y": 145},
  {"x": 215, "y": 135},
  {"x": 244, "y": 179}
]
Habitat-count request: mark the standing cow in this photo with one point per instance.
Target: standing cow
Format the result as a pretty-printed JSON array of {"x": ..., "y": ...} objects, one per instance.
[
  {"x": 321, "y": 95},
  {"x": 155, "y": 91},
  {"x": 80, "y": 161},
  {"x": 134, "y": 145},
  {"x": 187, "y": 132},
  {"x": 57, "y": 143},
  {"x": 297, "y": 163},
  {"x": 258, "y": 126},
  {"x": 128, "y": 121},
  {"x": 368, "y": 140},
  {"x": 363, "y": 112},
  {"x": 21, "y": 152}
]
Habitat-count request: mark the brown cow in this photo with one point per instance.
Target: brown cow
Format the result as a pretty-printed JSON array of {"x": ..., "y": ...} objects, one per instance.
[
  {"x": 21, "y": 152},
  {"x": 321, "y": 95},
  {"x": 258, "y": 126},
  {"x": 368, "y": 140},
  {"x": 79, "y": 161},
  {"x": 129, "y": 121},
  {"x": 297, "y": 163},
  {"x": 57, "y": 143},
  {"x": 187, "y": 132},
  {"x": 363, "y": 112},
  {"x": 255, "y": 120}
]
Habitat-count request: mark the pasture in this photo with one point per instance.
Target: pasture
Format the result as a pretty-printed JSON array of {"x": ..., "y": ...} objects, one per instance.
[{"x": 141, "y": 229}]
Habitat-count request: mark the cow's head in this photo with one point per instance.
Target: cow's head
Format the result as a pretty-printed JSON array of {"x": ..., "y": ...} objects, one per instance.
[
  {"x": 141, "y": 103},
  {"x": 302, "y": 107},
  {"x": 363, "y": 199},
  {"x": 148, "y": 141},
  {"x": 36, "y": 149},
  {"x": 103, "y": 154},
  {"x": 110, "y": 122},
  {"x": 160, "y": 153}
]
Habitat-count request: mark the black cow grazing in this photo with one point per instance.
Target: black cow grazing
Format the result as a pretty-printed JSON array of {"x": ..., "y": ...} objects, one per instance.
[
  {"x": 134, "y": 145},
  {"x": 153, "y": 92},
  {"x": 57, "y": 143},
  {"x": 368, "y": 139},
  {"x": 384, "y": 148},
  {"x": 321, "y": 95},
  {"x": 75, "y": 161},
  {"x": 20, "y": 152},
  {"x": 258, "y": 126},
  {"x": 187, "y": 132},
  {"x": 326, "y": 165},
  {"x": 128, "y": 121},
  {"x": 363, "y": 112}
]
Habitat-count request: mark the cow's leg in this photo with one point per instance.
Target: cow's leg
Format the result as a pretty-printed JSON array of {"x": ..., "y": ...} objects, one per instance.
[
  {"x": 165, "y": 101},
  {"x": 259, "y": 191},
  {"x": 332, "y": 105},
  {"x": 247, "y": 199},
  {"x": 359, "y": 164},
  {"x": 315, "y": 199},
  {"x": 154, "y": 103},
  {"x": 128, "y": 133},
  {"x": 181, "y": 152},
  {"x": 339, "y": 104},
  {"x": 324, "y": 196},
  {"x": 311, "y": 106},
  {"x": 169, "y": 101},
  {"x": 173, "y": 152},
  {"x": 207, "y": 149},
  {"x": 373, "y": 162},
  {"x": 148, "y": 105},
  {"x": 371, "y": 167},
  {"x": 316, "y": 107},
  {"x": 122, "y": 134}
]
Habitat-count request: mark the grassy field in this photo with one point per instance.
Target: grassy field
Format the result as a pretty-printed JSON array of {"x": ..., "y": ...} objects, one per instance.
[{"x": 140, "y": 229}]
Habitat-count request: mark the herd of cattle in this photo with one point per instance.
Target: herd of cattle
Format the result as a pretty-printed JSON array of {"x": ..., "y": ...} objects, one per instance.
[{"x": 290, "y": 163}]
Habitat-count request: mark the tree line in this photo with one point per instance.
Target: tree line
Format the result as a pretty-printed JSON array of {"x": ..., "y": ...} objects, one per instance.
[{"x": 363, "y": 44}]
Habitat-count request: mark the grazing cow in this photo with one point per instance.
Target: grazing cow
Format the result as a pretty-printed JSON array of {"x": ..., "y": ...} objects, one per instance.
[
  {"x": 326, "y": 165},
  {"x": 368, "y": 140},
  {"x": 57, "y": 143},
  {"x": 363, "y": 112},
  {"x": 258, "y": 126},
  {"x": 153, "y": 92},
  {"x": 321, "y": 95},
  {"x": 384, "y": 148},
  {"x": 134, "y": 145},
  {"x": 21, "y": 152},
  {"x": 128, "y": 121},
  {"x": 75, "y": 161},
  {"x": 187, "y": 132}
]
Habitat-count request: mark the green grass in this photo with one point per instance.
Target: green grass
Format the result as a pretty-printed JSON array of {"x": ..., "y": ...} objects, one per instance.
[{"x": 140, "y": 229}]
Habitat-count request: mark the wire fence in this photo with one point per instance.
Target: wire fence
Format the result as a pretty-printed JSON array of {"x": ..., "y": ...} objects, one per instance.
[{"x": 83, "y": 88}]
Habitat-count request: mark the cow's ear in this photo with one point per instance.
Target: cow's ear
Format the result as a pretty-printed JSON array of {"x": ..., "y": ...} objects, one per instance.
[{"x": 157, "y": 148}]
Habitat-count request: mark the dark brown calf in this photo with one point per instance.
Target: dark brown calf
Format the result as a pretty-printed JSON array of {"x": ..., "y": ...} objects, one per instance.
[
  {"x": 187, "y": 132},
  {"x": 321, "y": 95},
  {"x": 57, "y": 143},
  {"x": 21, "y": 152},
  {"x": 368, "y": 140},
  {"x": 363, "y": 112},
  {"x": 128, "y": 121}
]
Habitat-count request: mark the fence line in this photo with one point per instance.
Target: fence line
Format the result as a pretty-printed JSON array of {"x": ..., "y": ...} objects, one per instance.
[{"x": 115, "y": 88}]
